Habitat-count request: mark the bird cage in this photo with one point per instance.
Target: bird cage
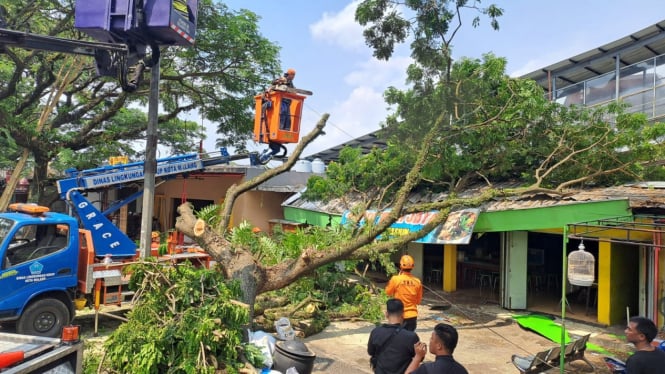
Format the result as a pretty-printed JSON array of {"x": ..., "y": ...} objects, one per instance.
[{"x": 581, "y": 269}]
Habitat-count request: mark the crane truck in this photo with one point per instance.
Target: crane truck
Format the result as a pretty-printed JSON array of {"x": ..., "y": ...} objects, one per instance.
[{"x": 48, "y": 258}]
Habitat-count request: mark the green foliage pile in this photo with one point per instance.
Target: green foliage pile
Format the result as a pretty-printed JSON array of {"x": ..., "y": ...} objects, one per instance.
[
  {"x": 185, "y": 321},
  {"x": 339, "y": 294},
  {"x": 330, "y": 285}
]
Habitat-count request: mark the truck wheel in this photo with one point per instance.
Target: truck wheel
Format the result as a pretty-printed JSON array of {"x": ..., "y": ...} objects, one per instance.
[{"x": 45, "y": 317}]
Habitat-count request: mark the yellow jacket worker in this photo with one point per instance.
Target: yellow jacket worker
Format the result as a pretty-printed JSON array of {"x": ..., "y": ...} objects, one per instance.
[{"x": 407, "y": 288}]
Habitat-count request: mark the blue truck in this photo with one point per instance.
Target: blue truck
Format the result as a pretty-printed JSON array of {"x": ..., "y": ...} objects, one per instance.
[{"x": 49, "y": 259}]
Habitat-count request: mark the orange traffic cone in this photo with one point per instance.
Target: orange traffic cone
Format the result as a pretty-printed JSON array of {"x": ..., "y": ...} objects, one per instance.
[{"x": 10, "y": 358}]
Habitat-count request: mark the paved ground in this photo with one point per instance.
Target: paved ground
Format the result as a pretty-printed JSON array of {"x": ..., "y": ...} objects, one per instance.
[{"x": 488, "y": 339}]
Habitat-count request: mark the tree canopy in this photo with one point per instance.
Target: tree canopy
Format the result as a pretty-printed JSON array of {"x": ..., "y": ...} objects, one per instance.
[
  {"x": 458, "y": 124},
  {"x": 481, "y": 126},
  {"x": 473, "y": 124},
  {"x": 94, "y": 119}
]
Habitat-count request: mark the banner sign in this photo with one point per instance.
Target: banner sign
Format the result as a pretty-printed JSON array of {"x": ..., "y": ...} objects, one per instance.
[{"x": 457, "y": 228}]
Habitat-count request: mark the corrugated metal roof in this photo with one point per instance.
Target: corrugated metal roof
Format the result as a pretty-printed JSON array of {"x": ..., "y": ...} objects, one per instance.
[
  {"x": 633, "y": 48},
  {"x": 640, "y": 196},
  {"x": 639, "y": 46},
  {"x": 365, "y": 143},
  {"x": 290, "y": 181}
]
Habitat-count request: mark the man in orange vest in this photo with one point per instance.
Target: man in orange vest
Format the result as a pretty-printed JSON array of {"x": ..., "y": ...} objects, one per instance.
[{"x": 407, "y": 288}]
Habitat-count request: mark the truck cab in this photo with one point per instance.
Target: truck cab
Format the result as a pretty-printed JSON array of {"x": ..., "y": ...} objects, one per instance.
[{"x": 38, "y": 274}]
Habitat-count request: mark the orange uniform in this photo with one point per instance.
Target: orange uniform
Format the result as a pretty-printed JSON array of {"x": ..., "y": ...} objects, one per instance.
[{"x": 407, "y": 288}]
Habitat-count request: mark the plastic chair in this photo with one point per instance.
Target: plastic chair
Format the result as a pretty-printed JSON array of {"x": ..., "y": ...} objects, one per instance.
[
  {"x": 485, "y": 280},
  {"x": 495, "y": 280},
  {"x": 552, "y": 282}
]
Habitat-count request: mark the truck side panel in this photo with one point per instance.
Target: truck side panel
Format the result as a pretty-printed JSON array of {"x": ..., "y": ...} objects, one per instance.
[{"x": 28, "y": 271}]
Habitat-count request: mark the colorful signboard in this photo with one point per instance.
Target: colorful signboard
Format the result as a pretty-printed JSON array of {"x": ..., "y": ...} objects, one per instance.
[{"x": 457, "y": 228}]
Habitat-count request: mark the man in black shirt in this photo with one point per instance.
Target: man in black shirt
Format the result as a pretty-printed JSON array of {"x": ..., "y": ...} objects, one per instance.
[
  {"x": 647, "y": 359},
  {"x": 390, "y": 345},
  {"x": 442, "y": 343}
]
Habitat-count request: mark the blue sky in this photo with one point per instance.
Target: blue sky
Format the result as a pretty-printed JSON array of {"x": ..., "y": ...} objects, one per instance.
[{"x": 321, "y": 40}]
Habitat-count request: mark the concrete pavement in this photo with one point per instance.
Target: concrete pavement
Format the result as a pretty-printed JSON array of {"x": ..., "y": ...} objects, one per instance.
[{"x": 488, "y": 339}]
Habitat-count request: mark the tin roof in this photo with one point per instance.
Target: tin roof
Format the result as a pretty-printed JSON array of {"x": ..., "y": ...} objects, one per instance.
[
  {"x": 365, "y": 143},
  {"x": 646, "y": 195},
  {"x": 289, "y": 182},
  {"x": 639, "y": 46},
  {"x": 636, "y": 47}
]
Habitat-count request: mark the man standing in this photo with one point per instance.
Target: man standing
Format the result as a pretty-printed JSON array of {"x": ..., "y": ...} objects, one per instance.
[
  {"x": 390, "y": 345},
  {"x": 647, "y": 359},
  {"x": 442, "y": 343},
  {"x": 407, "y": 288}
]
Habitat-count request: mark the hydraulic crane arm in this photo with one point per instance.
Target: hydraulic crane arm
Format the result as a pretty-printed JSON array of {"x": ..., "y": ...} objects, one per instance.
[
  {"x": 112, "y": 59},
  {"x": 107, "y": 237},
  {"x": 124, "y": 173},
  {"x": 37, "y": 42}
]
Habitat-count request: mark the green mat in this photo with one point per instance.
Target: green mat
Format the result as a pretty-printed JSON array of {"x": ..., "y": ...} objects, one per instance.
[
  {"x": 546, "y": 327},
  {"x": 542, "y": 325}
]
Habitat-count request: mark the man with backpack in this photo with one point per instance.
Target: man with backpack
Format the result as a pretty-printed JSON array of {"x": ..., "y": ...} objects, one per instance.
[{"x": 390, "y": 345}]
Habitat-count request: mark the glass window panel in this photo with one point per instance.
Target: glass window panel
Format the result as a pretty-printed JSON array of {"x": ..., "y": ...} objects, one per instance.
[
  {"x": 660, "y": 70},
  {"x": 571, "y": 95},
  {"x": 640, "y": 103},
  {"x": 636, "y": 77},
  {"x": 601, "y": 89},
  {"x": 659, "y": 104}
]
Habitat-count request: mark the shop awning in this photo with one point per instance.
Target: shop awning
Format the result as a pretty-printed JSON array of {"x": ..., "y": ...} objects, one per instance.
[{"x": 456, "y": 230}]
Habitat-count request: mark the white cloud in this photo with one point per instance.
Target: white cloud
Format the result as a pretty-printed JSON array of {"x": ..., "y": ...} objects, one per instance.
[
  {"x": 340, "y": 29},
  {"x": 361, "y": 113},
  {"x": 364, "y": 108},
  {"x": 380, "y": 74}
]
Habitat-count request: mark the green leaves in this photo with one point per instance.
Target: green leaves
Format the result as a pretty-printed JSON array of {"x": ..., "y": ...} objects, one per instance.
[
  {"x": 430, "y": 24},
  {"x": 185, "y": 321},
  {"x": 93, "y": 120},
  {"x": 354, "y": 173}
]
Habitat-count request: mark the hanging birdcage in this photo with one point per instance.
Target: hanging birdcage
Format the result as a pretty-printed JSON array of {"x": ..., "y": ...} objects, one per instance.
[{"x": 581, "y": 269}]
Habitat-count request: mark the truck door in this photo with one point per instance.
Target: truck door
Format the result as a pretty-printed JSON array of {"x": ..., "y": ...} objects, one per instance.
[{"x": 36, "y": 258}]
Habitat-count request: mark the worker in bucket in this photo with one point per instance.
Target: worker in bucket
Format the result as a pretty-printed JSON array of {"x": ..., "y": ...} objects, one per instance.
[{"x": 286, "y": 79}]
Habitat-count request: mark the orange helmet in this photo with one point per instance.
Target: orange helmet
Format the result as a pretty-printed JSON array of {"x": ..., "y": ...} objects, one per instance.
[
  {"x": 406, "y": 262},
  {"x": 291, "y": 72}
]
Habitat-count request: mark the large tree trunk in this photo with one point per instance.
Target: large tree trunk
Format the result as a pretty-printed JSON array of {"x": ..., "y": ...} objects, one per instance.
[
  {"x": 236, "y": 263},
  {"x": 256, "y": 278},
  {"x": 239, "y": 263}
]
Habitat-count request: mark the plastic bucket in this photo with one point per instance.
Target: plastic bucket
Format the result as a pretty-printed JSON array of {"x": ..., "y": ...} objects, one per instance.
[
  {"x": 292, "y": 353},
  {"x": 80, "y": 303}
]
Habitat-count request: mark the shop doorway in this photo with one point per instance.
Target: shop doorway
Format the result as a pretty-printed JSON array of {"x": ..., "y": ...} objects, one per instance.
[
  {"x": 433, "y": 264},
  {"x": 544, "y": 278},
  {"x": 478, "y": 266}
]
